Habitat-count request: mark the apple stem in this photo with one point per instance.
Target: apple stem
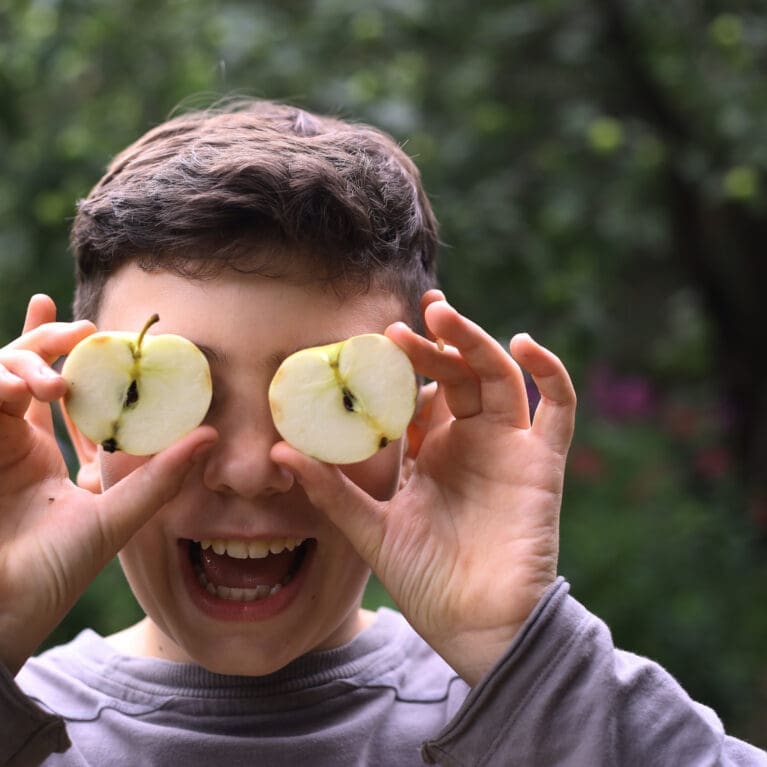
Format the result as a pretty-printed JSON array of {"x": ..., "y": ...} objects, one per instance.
[{"x": 151, "y": 321}]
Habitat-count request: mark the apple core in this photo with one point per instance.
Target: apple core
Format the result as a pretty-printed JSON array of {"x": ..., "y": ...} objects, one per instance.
[
  {"x": 137, "y": 393},
  {"x": 343, "y": 402}
]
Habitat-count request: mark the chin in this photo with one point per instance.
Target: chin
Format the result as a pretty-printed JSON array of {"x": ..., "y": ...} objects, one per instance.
[
  {"x": 242, "y": 657},
  {"x": 317, "y": 607},
  {"x": 252, "y": 666}
]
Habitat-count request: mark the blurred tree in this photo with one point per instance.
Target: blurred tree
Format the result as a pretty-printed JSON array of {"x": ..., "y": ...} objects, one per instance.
[
  {"x": 598, "y": 168},
  {"x": 707, "y": 107}
]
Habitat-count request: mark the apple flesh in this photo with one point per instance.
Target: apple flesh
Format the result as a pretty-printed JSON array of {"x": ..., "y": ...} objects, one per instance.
[
  {"x": 343, "y": 402},
  {"x": 135, "y": 392}
]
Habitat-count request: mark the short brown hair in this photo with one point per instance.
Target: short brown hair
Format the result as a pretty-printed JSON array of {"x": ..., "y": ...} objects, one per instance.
[{"x": 246, "y": 185}]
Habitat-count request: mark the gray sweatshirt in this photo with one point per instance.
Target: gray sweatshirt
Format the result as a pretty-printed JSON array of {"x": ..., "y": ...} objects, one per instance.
[{"x": 562, "y": 695}]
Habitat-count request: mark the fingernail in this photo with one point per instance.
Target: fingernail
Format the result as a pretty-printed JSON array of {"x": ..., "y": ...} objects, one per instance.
[{"x": 46, "y": 372}]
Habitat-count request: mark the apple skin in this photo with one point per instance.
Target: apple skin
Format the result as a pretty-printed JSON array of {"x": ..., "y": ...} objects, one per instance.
[
  {"x": 135, "y": 392},
  {"x": 343, "y": 402}
]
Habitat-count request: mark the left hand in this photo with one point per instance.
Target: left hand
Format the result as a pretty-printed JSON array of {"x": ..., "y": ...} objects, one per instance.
[{"x": 469, "y": 544}]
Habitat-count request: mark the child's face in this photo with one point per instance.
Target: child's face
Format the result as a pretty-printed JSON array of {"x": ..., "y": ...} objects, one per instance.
[{"x": 246, "y": 324}]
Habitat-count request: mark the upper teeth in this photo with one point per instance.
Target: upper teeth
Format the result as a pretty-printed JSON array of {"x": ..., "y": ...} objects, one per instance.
[{"x": 250, "y": 549}]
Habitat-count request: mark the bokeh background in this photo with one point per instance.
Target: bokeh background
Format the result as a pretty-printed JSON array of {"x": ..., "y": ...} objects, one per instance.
[{"x": 598, "y": 168}]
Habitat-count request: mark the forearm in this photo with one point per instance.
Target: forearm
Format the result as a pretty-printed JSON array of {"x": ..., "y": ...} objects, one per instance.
[{"x": 563, "y": 695}]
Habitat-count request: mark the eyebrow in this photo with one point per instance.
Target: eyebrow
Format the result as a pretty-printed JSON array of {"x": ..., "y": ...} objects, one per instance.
[
  {"x": 274, "y": 360},
  {"x": 279, "y": 357},
  {"x": 213, "y": 355},
  {"x": 220, "y": 358}
]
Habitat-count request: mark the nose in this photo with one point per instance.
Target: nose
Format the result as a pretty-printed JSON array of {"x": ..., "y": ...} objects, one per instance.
[{"x": 239, "y": 463}]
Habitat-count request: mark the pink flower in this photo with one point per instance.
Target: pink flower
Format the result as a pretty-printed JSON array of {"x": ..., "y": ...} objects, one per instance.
[
  {"x": 586, "y": 463},
  {"x": 713, "y": 462}
]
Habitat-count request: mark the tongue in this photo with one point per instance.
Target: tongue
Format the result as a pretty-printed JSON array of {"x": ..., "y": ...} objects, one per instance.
[{"x": 223, "y": 570}]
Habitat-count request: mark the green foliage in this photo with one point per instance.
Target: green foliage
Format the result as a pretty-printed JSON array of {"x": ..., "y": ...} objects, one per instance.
[
  {"x": 552, "y": 136},
  {"x": 653, "y": 540}
]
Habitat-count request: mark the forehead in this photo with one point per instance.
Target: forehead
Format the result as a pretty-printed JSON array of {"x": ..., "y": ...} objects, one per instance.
[{"x": 244, "y": 307}]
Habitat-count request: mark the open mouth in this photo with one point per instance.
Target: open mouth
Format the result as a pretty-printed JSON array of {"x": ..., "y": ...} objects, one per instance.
[{"x": 247, "y": 571}]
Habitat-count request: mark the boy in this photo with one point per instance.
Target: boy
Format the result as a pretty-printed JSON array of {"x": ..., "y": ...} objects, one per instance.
[{"x": 254, "y": 231}]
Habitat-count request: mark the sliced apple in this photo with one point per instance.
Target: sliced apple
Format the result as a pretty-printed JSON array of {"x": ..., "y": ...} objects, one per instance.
[
  {"x": 136, "y": 392},
  {"x": 343, "y": 402}
]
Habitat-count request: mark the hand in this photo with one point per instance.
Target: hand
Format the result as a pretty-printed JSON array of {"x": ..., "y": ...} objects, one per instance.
[
  {"x": 54, "y": 536},
  {"x": 469, "y": 544}
]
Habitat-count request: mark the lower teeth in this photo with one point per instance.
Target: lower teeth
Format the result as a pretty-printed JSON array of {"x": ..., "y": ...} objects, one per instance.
[{"x": 237, "y": 594}]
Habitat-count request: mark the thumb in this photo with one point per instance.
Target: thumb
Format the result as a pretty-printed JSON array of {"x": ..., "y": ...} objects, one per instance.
[
  {"x": 127, "y": 505},
  {"x": 355, "y": 513}
]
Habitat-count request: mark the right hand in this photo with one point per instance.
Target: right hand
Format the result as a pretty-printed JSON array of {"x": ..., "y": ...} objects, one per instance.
[{"x": 55, "y": 537}]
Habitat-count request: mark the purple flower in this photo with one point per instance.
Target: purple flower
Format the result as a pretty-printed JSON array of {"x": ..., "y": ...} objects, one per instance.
[
  {"x": 533, "y": 395},
  {"x": 621, "y": 396}
]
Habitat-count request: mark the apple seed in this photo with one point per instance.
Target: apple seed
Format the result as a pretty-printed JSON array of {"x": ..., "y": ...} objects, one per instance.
[
  {"x": 349, "y": 400},
  {"x": 131, "y": 396}
]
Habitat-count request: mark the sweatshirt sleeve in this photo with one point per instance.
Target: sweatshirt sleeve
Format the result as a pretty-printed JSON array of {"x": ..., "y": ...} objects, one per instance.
[
  {"x": 563, "y": 695},
  {"x": 29, "y": 734}
]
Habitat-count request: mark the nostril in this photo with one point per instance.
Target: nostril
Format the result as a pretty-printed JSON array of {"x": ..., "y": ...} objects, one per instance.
[{"x": 245, "y": 469}]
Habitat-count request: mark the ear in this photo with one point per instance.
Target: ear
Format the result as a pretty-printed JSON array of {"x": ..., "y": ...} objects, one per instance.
[
  {"x": 422, "y": 419},
  {"x": 89, "y": 473}
]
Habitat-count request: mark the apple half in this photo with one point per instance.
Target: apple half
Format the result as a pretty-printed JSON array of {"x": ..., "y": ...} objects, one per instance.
[
  {"x": 136, "y": 392},
  {"x": 343, "y": 402}
]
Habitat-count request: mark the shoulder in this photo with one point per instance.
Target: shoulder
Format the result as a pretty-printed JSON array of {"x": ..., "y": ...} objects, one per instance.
[
  {"x": 81, "y": 678},
  {"x": 73, "y": 658}
]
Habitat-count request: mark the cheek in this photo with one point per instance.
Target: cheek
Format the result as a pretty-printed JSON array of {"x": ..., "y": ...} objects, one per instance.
[
  {"x": 115, "y": 466},
  {"x": 144, "y": 564},
  {"x": 379, "y": 476}
]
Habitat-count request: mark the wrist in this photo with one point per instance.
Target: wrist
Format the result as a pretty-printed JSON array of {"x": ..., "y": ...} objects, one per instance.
[{"x": 474, "y": 652}]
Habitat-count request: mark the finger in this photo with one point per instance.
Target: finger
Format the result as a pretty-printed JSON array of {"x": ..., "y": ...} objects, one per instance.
[
  {"x": 554, "y": 417},
  {"x": 53, "y": 340},
  {"x": 431, "y": 413},
  {"x": 429, "y": 297},
  {"x": 502, "y": 385},
  {"x": 127, "y": 505},
  {"x": 14, "y": 393},
  {"x": 421, "y": 422},
  {"x": 41, "y": 309},
  {"x": 40, "y": 381},
  {"x": 349, "y": 508},
  {"x": 49, "y": 341},
  {"x": 460, "y": 386},
  {"x": 441, "y": 413},
  {"x": 44, "y": 384}
]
